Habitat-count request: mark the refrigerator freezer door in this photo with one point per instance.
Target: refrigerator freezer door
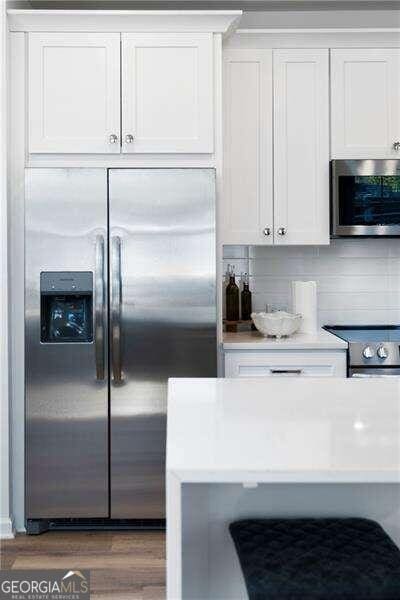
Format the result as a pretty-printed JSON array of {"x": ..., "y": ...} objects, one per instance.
[
  {"x": 66, "y": 338},
  {"x": 163, "y": 318}
]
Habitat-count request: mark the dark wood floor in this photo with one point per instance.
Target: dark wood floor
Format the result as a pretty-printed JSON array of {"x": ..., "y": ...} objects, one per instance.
[{"x": 123, "y": 566}]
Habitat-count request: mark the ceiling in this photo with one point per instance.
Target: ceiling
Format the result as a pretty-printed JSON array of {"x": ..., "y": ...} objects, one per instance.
[{"x": 247, "y": 5}]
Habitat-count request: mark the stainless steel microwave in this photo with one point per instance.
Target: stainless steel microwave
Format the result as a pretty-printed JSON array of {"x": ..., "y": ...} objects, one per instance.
[{"x": 365, "y": 198}]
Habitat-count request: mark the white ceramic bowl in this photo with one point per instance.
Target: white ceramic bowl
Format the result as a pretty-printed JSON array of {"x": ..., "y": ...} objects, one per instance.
[{"x": 277, "y": 323}]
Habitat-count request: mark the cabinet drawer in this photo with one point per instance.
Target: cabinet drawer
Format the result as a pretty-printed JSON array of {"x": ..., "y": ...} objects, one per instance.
[{"x": 286, "y": 364}]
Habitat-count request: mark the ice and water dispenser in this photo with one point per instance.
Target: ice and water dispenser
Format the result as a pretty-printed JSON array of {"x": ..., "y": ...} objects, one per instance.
[{"x": 66, "y": 309}]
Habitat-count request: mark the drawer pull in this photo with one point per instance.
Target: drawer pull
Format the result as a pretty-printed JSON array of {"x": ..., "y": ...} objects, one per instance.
[{"x": 286, "y": 371}]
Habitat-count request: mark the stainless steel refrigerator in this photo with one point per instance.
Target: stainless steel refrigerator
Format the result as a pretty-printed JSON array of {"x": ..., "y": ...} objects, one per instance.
[{"x": 120, "y": 296}]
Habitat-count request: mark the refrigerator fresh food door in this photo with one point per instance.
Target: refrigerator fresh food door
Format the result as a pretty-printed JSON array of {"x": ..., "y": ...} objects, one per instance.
[
  {"x": 162, "y": 318},
  {"x": 66, "y": 343}
]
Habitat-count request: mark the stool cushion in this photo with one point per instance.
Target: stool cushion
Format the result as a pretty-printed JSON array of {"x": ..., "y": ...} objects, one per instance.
[{"x": 335, "y": 559}]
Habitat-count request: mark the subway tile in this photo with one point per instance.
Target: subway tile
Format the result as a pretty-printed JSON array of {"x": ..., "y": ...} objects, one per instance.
[
  {"x": 356, "y": 283},
  {"x": 359, "y": 317},
  {"x": 330, "y": 284},
  {"x": 240, "y": 265},
  {"x": 349, "y": 301},
  {"x": 234, "y": 252},
  {"x": 394, "y": 247},
  {"x": 277, "y": 267},
  {"x": 274, "y": 285},
  {"x": 282, "y": 252},
  {"x": 372, "y": 248},
  {"x": 351, "y": 266},
  {"x": 358, "y": 280},
  {"x": 277, "y": 301},
  {"x": 394, "y": 267},
  {"x": 311, "y": 267}
]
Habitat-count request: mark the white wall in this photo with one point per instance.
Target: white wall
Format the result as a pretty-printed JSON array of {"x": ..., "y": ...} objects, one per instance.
[
  {"x": 6, "y": 495},
  {"x": 358, "y": 280},
  {"x": 5, "y": 491}
]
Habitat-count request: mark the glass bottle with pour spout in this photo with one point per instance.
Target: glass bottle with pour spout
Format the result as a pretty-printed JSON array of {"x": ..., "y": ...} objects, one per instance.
[
  {"x": 232, "y": 296},
  {"x": 246, "y": 298}
]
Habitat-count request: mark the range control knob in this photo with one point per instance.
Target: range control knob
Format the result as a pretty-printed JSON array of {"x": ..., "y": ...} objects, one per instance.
[
  {"x": 382, "y": 352},
  {"x": 368, "y": 352}
]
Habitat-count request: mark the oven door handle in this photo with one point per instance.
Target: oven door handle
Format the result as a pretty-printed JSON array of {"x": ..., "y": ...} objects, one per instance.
[
  {"x": 376, "y": 374},
  {"x": 116, "y": 299},
  {"x": 99, "y": 337}
]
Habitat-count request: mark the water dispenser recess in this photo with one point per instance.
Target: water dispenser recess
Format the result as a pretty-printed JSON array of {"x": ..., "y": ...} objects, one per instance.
[{"x": 66, "y": 307}]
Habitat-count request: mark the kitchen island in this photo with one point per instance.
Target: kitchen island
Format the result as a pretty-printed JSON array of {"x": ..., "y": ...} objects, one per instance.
[{"x": 272, "y": 448}]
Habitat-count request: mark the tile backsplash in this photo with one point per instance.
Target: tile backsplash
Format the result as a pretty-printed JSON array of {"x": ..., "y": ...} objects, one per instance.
[{"x": 358, "y": 280}]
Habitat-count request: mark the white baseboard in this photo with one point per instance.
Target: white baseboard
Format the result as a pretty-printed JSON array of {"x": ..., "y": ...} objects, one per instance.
[{"x": 6, "y": 528}]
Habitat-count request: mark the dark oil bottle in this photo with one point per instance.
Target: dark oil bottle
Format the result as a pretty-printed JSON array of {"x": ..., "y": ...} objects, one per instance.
[
  {"x": 232, "y": 297},
  {"x": 246, "y": 298}
]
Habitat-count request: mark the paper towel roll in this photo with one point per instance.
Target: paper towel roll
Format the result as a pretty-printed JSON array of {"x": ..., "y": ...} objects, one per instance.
[{"x": 304, "y": 295}]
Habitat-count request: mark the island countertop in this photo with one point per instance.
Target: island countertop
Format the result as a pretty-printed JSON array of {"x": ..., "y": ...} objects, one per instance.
[{"x": 284, "y": 430}]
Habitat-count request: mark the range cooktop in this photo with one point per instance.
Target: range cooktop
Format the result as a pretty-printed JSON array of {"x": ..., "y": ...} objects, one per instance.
[
  {"x": 362, "y": 333},
  {"x": 370, "y": 345}
]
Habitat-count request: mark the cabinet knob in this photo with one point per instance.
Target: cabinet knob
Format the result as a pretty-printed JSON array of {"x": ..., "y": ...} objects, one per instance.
[
  {"x": 267, "y": 231},
  {"x": 113, "y": 139},
  {"x": 396, "y": 146},
  {"x": 128, "y": 138},
  {"x": 281, "y": 231}
]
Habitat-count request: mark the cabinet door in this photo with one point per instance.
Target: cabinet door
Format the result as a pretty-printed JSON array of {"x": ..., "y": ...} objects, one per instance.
[
  {"x": 167, "y": 90},
  {"x": 247, "y": 211},
  {"x": 301, "y": 146},
  {"x": 283, "y": 363},
  {"x": 74, "y": 92},
  {"x": 365, "y": 99}
]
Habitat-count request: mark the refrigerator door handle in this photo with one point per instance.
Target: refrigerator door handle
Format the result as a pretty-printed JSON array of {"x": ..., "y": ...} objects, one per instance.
[
  {"x": 116, "y": 308},
  {"x": 99, "y": 308}
]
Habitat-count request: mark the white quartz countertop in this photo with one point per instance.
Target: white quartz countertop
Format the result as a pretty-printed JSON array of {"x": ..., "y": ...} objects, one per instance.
[
  {"x": 253, "y": 340},
  {"x": 284, "y": 430}
]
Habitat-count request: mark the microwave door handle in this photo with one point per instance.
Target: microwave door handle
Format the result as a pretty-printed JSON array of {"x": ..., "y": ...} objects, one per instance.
[
  {"x": 99, "y": 340},
  {"x": 116, "y": 285}
]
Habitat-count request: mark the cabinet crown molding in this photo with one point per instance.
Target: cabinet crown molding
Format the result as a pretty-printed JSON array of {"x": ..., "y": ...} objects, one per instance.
[
  {"x": 215, "y": 21},
  {"x": 317, "y": 30}
]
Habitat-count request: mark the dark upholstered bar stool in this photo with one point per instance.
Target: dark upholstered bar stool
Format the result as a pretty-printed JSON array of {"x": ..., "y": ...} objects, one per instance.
[{"x": 317, "y": 559}]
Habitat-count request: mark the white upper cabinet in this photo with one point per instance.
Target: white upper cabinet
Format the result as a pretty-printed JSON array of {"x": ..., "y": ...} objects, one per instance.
[
  {"x": 247, "y": 197},
  {"x": 164, "y": 104},
  {"x": 301, "y": 146},
  {"x": 167, "y": 92},
  {"x": 276, "y": 154},
  {"x": 365, "y": 100},
  {"x": 74, "y": 92}
]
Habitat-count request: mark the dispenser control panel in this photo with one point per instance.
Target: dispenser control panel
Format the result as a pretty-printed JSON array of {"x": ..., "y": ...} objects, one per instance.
[{"x": 66, "y": 307}]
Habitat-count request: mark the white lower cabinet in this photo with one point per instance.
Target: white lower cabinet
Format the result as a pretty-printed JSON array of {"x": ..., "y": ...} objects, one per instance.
[{"x": 281, "y": 363}]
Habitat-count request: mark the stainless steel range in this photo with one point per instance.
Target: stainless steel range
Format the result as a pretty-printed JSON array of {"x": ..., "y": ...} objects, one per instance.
[{"x": 374, "y": 350}]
